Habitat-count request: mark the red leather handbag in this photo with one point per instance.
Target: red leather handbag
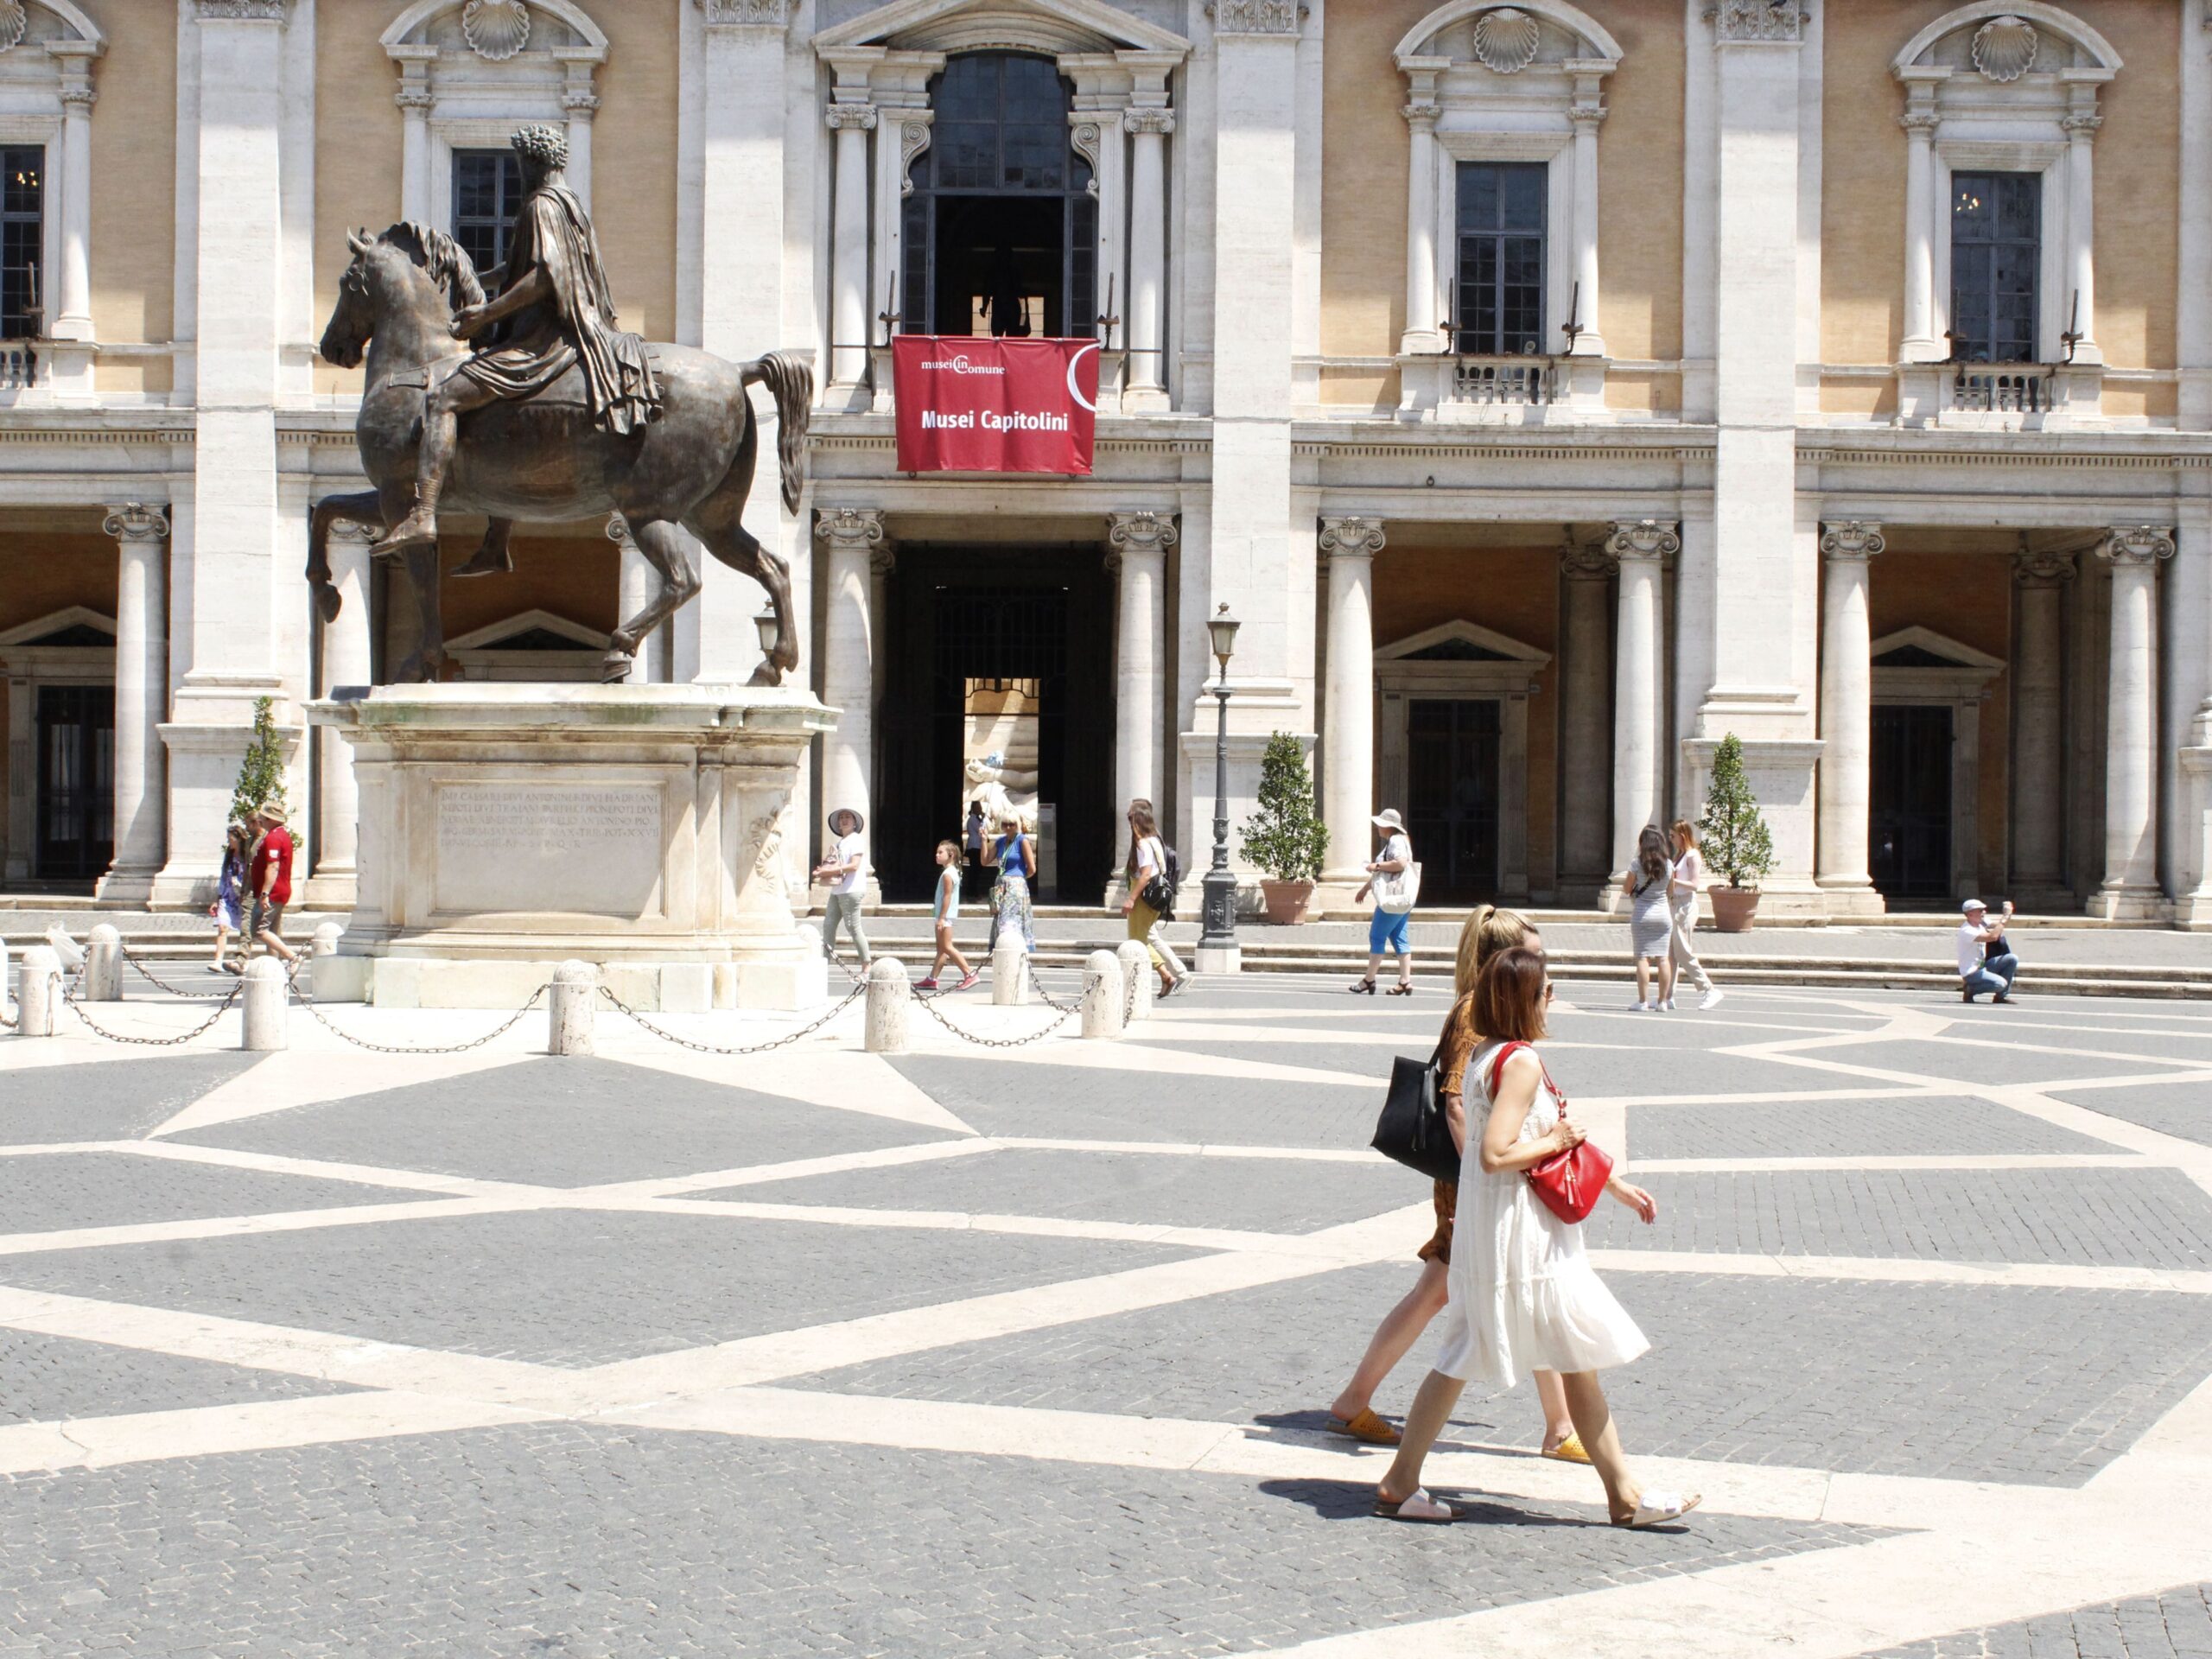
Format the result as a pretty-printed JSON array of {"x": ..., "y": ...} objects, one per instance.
[{"x": 1568, "y": 1183}]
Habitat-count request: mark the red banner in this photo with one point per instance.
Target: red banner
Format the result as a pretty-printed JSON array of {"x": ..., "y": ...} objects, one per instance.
[{"x": 985, "y": 406}]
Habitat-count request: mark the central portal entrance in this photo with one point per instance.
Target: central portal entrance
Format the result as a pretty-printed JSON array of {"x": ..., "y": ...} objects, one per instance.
[
  {"x": 1006, "y": 652},
  {"x": 1909, "y": 844},
  {"x": 1451, "y": 808}
]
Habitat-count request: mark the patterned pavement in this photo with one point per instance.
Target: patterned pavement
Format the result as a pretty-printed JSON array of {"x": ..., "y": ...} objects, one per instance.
[{"x": 1025, "y": 1352}]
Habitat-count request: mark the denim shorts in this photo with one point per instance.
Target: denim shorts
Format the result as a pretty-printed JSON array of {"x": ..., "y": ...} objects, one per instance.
[{"x": 1391, "y": 935}]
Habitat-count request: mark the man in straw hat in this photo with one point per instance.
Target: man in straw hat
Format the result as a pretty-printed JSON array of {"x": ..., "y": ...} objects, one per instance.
[{"x": 271, "y": 877}]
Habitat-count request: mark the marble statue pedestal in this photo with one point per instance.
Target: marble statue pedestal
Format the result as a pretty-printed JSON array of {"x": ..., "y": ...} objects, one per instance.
[{"x": 506, "y": 828}]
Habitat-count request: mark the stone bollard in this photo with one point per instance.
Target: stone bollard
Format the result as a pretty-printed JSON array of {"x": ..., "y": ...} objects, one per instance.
[
  {"x": 572, "y": 1008},
  {"x": 327, "y": 935},
  {"x": 888, "y": 997},
  {"x": 38, "y": 994},
  {"x": 1009, "y": 972},
  {"x": 1136, "y": 957},
  {"x": 267, "y": 1000},
  {"x": 1102, "y": 994},
  {"x": 104, "y": 965}
]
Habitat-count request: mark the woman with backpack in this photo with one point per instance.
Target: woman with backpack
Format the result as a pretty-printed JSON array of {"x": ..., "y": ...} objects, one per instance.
[{"x": 1151, "y": 897}]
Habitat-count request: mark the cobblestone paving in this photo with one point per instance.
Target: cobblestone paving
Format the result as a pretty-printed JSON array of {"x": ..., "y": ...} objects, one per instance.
[
  {"x": 2174, "y": 1625},
  {"x": 1010, "y": 1421}
]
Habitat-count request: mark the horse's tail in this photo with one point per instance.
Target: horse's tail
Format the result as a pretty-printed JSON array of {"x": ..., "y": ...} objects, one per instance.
[{"x": 791, "y": 383}]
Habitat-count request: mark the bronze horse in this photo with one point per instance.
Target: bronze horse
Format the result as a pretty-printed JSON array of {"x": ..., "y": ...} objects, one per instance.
[{"x": 542, "y": 460}]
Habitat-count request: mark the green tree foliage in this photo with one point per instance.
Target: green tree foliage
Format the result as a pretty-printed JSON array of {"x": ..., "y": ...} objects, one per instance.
[
  {"x": 1286, "y": 838},
  {"x": 1732, "y": 836},
  {"x": 261, "y": 779}
]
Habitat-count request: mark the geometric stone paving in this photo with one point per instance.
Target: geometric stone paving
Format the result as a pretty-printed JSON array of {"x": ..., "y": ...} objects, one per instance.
[{"x": 658, "y": 1353}]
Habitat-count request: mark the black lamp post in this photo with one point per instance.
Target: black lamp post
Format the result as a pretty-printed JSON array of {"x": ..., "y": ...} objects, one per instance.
[{"x": 1219, "y": 916}]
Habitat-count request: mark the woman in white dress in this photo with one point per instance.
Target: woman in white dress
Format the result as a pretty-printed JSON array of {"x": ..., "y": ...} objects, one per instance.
[{"x": 1523, "y": 1292}]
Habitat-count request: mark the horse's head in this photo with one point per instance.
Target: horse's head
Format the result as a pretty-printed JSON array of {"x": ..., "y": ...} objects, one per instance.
[{"x": 409, "y": 269}]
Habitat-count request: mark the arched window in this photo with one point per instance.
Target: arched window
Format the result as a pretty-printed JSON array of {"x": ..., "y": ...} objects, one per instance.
[{"x": 1000, "y": 234}]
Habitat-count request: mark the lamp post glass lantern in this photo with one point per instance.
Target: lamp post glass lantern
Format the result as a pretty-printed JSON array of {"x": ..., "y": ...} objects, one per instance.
[
  {"x": 1219, "y": 912},
  {"x": 764, "y": 624}
]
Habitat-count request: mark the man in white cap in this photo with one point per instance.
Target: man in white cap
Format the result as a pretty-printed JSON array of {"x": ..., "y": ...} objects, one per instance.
[{"x": 1981, "y": 969}]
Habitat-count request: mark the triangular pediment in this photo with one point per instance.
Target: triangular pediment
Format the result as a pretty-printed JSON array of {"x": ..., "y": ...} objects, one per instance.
[
  {"x": 1461, "y": 642},
  {"x": 1918, "y": 647},
  {"x": 1054, "y": 26},
  {"x": 531, "y": 630},
  {"x": 76, "y": 625}
]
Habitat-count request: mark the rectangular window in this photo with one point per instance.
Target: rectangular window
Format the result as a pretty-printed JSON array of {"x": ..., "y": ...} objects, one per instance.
[
  {"x": 1500, "y": 293},
  {"x": 1996, "y": 254},
  {"x": 486, "y": 191},
  {"x": 23, "y": 287}
]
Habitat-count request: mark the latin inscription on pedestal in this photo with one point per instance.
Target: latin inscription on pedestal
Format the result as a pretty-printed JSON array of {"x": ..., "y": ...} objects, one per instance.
[{"x": 509, "y": 847}]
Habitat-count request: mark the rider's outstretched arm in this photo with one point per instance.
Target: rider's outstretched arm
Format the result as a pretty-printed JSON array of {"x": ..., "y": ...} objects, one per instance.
[{"x": 532, "y": 290}]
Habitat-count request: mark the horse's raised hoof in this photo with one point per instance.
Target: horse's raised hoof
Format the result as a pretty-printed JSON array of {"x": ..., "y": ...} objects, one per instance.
[{"x": 615, "y": 666}]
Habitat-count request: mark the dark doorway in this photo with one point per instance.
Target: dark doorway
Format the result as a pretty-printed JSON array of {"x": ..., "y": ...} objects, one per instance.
[
  {"x": 1453, "y": 753},
  {"x": 1909, "y": 841},
  {"x": 1000, "y": 228},
  {"x": 1009, "y": 648},
  {"x": 76, "y": 782}
]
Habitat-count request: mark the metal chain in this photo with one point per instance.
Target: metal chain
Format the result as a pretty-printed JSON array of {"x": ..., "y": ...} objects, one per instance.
[
  {"x": 1038, "y": 985},
  {"x": 859, "y": 989},
  {"x": 132, "y": 957},
  {"x": 500, "y": 1030},
  {"x": 929, "y": 1007},
  {"x": 69, "y": 995}
]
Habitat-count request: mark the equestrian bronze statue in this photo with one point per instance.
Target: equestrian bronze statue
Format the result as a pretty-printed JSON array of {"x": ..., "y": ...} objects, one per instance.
[{"x": 555, "y": 414}]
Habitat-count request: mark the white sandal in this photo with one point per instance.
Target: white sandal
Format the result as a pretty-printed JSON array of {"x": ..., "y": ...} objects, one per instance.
[
  {"x": 1657, "y": 1509},
  {"x": 1419, "y": 1507}
]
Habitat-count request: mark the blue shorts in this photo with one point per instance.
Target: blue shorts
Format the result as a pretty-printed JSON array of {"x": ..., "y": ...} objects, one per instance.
[{"x": 1390, "y": 935}]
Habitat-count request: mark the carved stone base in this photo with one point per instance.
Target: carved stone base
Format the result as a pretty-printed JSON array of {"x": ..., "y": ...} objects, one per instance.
[{"x": 507, "y": 829}]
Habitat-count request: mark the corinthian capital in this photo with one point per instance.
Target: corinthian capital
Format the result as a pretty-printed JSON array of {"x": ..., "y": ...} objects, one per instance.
[
  {"x": 851, "y": 528},
  {"x": 2137, "y": 545},
  {"x": 1853, "y": 541},
  {"x": 136, "y": 521},
  {"x": 1351, "y": 538},
  {"x": 1645, "y": 538}
]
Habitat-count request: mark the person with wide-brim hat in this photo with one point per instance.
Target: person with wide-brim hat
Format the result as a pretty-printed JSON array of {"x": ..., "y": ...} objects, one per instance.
[
  {"x": 844, "y": 867},
  {"x": 1390, "y": 878}
]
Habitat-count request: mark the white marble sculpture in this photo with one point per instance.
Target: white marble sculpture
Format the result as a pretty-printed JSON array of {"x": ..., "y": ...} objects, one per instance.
[{"x": 1001, "y": 791}]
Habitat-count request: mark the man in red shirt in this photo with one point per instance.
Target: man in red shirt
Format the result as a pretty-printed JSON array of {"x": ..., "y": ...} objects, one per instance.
[{"x": 272, "y": 878}]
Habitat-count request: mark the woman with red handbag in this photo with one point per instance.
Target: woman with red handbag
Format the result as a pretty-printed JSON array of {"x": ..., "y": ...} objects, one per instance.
[{"x": 1523, "y": 1293}]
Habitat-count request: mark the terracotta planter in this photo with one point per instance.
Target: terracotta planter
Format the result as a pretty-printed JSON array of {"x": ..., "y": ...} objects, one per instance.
[
  {"x": 1287, "y": 901},
  {"x": 1733, "y": 908}
]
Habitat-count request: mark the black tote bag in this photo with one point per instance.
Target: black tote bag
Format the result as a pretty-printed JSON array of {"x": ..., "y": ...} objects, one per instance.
[{"x": 1412, "y": 1129}]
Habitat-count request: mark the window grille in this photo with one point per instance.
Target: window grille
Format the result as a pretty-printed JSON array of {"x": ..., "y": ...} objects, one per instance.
[
  {"x": 486, "y": 191},
  {"x": 1500, "y": 290},
  {"x": 1996, "y": 253},
  {"x": 22, "y": 213}
]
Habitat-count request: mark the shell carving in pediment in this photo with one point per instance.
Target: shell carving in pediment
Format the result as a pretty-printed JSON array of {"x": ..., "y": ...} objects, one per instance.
[
  {"x": 495, "y": 30},
  {"x": 1506, "y": 40},
  {"x": 2004, "y": 47},
  {"x": 14, "y": 20}
]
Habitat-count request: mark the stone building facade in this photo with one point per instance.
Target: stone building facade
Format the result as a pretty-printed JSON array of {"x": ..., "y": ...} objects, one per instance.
[{"x": 1551, "y": 390}]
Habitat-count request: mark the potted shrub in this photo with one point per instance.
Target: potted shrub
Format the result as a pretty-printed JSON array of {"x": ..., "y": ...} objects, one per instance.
[
  {"x": 1734, "y": 839},
  {"x": 1286, "y": 838}
]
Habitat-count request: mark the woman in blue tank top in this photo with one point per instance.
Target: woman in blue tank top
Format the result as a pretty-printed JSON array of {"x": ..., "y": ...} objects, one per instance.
[{"x": 1014, "y": 853}]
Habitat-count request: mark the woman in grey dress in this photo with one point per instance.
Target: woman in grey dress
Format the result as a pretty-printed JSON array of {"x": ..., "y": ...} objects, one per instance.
[{"x": 1650, "y": 922}]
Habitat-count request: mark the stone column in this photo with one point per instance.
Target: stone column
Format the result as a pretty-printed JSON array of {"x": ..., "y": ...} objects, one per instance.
[
  {"x": 1587, "y": 114},
  {"x": 1423, "y": 310},
  {"x": 1639, "y": 713},
  {"x": 1140, "y": 542},
  {"x": 1846, "y": 718},
  {"x": 634, "y": 589},
  {"x": 581, "y": 104},
  {"x": 414, "y": 100},
  {"x": 2038, "y": 838},
  {"x": 1348, "y": 701},
  {"x": 852, "y": 535},
  {"x": 72, "y": 313},
  {"x": 142, "y": 693},
  {"x": 2130, "y": 891},
  {"x": 1920, "y": 344},
  {"x": 848, "y": 323},
  {"x": 2079, "y": 303},
  {"x": 347, "y": 656},
  {"x": 1585, "y": 737},
  {"x": 1147, "y": 337}
]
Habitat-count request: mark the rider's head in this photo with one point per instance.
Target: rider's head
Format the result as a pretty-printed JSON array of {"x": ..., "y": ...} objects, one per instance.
[{"x": 542, "y": 148}]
